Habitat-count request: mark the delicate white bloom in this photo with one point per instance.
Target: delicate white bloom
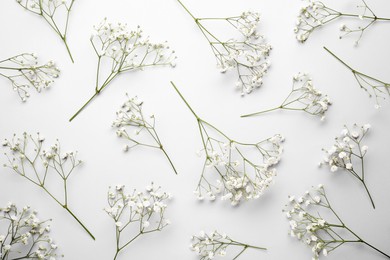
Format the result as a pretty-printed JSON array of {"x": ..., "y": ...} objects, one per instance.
[
  {"x": 303, "y": 97},
  {"x": 26, "y": 233},
  {"x": 209, "y": 245},
  {"x": 26, "y": 72}
]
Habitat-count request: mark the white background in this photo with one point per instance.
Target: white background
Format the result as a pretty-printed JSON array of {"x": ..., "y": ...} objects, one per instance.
[{"x": 213, "y": 96}]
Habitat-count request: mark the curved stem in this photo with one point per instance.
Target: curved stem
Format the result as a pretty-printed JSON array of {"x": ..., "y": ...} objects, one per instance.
[{"x": 84, "y": 227}]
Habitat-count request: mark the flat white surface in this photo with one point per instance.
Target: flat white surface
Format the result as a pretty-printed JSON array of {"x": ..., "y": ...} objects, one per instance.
[{"x": 213, "y": 96}]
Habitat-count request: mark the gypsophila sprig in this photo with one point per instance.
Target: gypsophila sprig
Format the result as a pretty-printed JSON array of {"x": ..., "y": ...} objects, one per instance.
[
  {"x": 24, "y": 236},
  {"x": 133, "y": 125},
  {"x": 122, "y": 50},
  {"x": 348, "y": 152},
  {"x": 233, "y": 170},
  {"x": 55, "y": 12},
  {"x": 323, "y": 235},
  {"x": 247, "y": 54},
  {"x": 303, "y": 97},
  {"x": 143, "y": 210},
  {"x": 316, "y": 14},
  {"x": 373, "y": 86},
  {"x": 24, "y": 72},
  {"x": 44, "y": 167},
  {"x": 210, "y": 246}
]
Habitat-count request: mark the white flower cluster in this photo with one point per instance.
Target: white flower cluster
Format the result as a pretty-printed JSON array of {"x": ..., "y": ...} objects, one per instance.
[
  {"x": 347, "y": 149},
  {"x": 306, "y": 226},
  {"x": 41, "y": 160},
  {"x": 239, "y": 176},
  {"x": 128, "y": 49},
  {"x": 214, "y": 244},
  {"x": 247, "y": 56},
  {"x": 142, "y": 206},
  {"x": 314, "y": 15},
  {"x": 49, "y": 6},
  {"x": 27, "y": 237},
  {"x": 143, "y": 210},
  {"x": 310, "y": 99},
  {"x": 130, "y": 115},
  {"x": 24, "y": 72}
]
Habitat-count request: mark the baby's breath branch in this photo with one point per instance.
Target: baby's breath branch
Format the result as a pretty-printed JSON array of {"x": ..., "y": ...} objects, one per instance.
[
  {"x": 48, "y": 9},
  {"x": 124, "y": 50},
  {"x": 143, "y": 209},
  {"x": 316, "y": 14},
  {"x": 35, "y": 164},
  {"x": 303, "y": 97},
  {"x": 25, "y": 236},
  {"x": 239, "y": 177},
  {"x": 247, "y": 56},
  {"x": 378, "y": 87},
  {"x": 349, "y": 151},
  {"x": 24, "y": 71},
  {"x": 208, "y": 246},
  {"x": 324, "y": 236},
  {"x": 130, "y": 115}
]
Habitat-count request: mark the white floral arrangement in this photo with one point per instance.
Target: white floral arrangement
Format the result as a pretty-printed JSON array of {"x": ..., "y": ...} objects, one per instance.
[
  {"x": 247, "y": 55},
  {"x": 25, "y": 237},
  {"x": 25, "y": 72},
  {"x": 211, "y": 245},
  {"x": 323, "y": 235},
  {"x": 302, "y": 97},
  {"x": 143, "y": 210}
]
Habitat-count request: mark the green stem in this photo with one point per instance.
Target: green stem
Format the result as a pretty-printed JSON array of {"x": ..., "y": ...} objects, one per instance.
[
  {"x": 376, "y": 249},
  {"x": 334, "y": 55},
  {"x": 68, "y": 49},
  {"x": 188, "y": 11},
  {"x": 83, "y": 107},
  {"x": 84, "y": 227},
  {"x": 185, "y": 101},
  {"x": 369, "y": 194},
  {"x": 261, "y": 112},
  {"x": 169, "y": 159}
]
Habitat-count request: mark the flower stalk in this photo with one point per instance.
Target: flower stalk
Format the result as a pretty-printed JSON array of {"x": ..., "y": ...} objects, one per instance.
[
  {"x": 241, "y": 174},
  {"x": 29, "y": 159},
  {"x": 48, "y": 10}
]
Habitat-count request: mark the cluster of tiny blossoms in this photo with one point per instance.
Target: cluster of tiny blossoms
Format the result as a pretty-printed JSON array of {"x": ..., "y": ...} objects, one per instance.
[
  {"x": 26, "y": 236},
  {"x": 307, "y": 227},
  {"x": 130, "y": 115},
  {"x": 144, "y": 210},
  {"x": 347, "y": 149},
  {"x": 309, "y": 99},
  {"x": 49, "y": 6},
  {"x": 348, "y": 154},
  {"x": 130, "y": 118},
  {"x": 25, "y": 72},
  {"x": 316, "y": 14},
  {"x": 128, "y": 49},
  {"x": 303, "y": 97},
  {"x": 34, "y": 162},
  {"x": 248, "y": 56},
  {"x": 312, "y": 16},
  {"x": 240, "y": 176},
  {"x": 214, "y": 244}
]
